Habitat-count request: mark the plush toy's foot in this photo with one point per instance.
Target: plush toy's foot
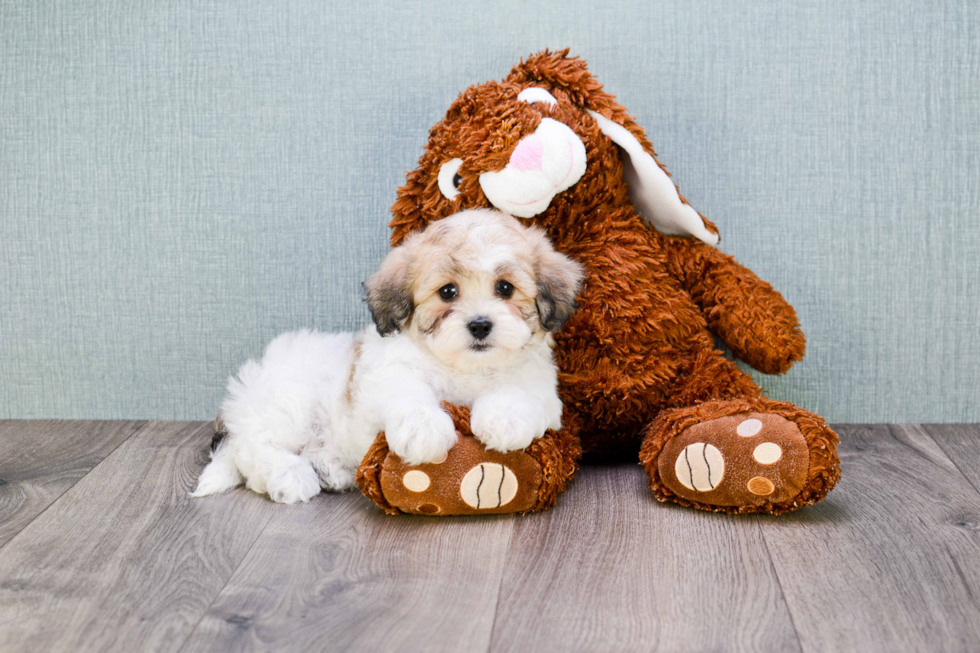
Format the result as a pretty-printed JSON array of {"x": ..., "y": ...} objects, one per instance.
[
  {"x": 741, "y": 456},
  {"x": 471, "y": 480}
]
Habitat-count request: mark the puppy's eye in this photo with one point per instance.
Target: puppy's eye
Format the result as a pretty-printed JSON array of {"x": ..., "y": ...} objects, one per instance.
[
  {"x": 448, "y": 292},
  {"x": 450, "y": 179},
  {"x": 505, "y": 289},
  {"x": 537, "y": 96}
]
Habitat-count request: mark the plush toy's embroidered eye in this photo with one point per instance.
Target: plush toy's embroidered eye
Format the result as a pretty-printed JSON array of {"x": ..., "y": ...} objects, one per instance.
[
  {"x": 505, "y": 289},
  {"x": 450, "y": 179},
  {"x": 448, "y": 292},
  {"x": 536, "y": 95}
]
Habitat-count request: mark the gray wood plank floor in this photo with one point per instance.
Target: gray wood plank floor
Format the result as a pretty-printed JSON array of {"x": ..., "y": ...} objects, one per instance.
[
  {"x": 101, "y": 549},
  {"x": 40, "y": 460}
]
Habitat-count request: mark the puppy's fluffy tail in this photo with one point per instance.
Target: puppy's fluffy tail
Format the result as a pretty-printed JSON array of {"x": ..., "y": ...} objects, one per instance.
[{"x": 221, "y": 474}]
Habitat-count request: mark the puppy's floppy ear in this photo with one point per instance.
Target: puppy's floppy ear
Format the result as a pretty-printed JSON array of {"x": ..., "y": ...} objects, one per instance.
[
  {"x": 389, "y": 292},
  {"x": 559, "y": 280},
  {"x": 653, "y": 193}
]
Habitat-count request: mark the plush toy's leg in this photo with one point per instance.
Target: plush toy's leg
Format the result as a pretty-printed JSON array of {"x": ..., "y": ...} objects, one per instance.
[
  {"x": 741, "y": 455},
  {"x": 472, "y": 480}
]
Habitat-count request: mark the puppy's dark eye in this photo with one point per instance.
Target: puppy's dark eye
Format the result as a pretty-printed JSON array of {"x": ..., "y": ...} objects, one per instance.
[
  {"x": 448, "y": 292},
  {"x": 505, "y": 289},
  {"x": 457, "y": 180}
]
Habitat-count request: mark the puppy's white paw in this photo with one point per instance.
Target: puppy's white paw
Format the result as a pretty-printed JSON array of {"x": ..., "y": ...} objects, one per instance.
[
  {"x": 422, "y": 435},
  {"x": 508, "y": 422},
  {"x": 334, "y": 476},
  {"x": 293, "y": 482}
]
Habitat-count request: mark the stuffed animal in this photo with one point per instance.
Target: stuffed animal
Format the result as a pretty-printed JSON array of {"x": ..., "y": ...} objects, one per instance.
[{"x": 639, "y": 369}]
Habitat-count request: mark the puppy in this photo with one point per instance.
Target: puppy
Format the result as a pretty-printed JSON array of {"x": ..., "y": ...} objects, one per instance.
[{"x": 463, "y": 312}]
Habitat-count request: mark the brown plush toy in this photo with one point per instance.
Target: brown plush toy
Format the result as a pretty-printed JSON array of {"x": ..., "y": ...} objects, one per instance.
[{"x": 639, "y": 371}]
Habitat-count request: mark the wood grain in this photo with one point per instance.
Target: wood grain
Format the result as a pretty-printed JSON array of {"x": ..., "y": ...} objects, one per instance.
[
  {"x": 40, "y": 460},
  {"x": 343, "y": 576},
  {"x": 610, "y": 569},
  {"x": 125, "y": 560},
  {"x": 890, "y": 561},
  {"x": 961, "y": 442}
]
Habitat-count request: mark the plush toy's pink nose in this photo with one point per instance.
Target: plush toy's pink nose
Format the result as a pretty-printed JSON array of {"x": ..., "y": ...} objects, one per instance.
[{"x": 528, "y": 153}]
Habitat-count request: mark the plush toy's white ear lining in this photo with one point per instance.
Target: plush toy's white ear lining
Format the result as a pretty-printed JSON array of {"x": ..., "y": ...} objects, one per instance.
[{"x": 653, "y": 193}]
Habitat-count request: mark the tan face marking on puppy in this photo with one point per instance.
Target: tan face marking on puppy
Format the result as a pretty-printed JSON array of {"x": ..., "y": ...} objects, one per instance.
[{"x": 474, "y": 289}]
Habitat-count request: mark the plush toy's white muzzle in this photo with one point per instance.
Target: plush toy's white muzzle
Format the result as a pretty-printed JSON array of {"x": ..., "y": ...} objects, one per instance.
[{"x": 542, "y": 165}]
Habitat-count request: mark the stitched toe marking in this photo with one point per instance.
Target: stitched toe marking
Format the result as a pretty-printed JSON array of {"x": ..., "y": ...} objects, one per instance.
[
  {"x": 488, "y": 485},
  {"x": 760, "y": 486},
  {"x": 700, "y": 467},
  {"x": 749, "y": 427},
  {"x": 767, "y": 453},
  {"x": 416, "y": 481}
]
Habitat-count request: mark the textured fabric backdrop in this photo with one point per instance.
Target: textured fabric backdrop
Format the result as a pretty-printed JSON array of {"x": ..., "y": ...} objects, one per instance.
[{"x": 179, "y": 182}]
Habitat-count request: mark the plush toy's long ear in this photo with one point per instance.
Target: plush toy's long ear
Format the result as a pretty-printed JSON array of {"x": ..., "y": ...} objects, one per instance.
[{"x": 653, "y": 193}]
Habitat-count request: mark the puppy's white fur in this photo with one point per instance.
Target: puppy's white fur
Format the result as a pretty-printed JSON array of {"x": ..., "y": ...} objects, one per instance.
[{"x": 305, "y": 415}]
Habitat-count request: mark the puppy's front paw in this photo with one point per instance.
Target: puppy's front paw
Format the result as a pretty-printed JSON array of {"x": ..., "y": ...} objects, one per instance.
[
  {"x": 333, "y": 476},
  {"x": 423, "y": 435},
  {"x": 508, "y": 422},
  {"x": 293, "y": 482}
]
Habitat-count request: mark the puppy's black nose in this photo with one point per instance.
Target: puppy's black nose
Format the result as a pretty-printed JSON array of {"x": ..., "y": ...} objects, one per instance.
[{"x": 480, "y": 327}]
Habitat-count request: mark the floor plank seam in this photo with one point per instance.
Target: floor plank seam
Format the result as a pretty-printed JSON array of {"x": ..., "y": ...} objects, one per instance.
[
  {"x": 779, "y": 583},
  {"x": 500, "y": 585},
  {"x": 228, "y": 580},
  {"x": 141, "y": 425}
]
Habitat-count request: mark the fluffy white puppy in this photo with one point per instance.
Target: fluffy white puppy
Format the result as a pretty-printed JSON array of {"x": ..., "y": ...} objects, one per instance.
[{"x": 463, "y": 313}]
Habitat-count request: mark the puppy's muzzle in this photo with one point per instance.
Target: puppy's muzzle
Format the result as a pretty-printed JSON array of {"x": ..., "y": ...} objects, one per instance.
[{"x": 480, "y": 327}]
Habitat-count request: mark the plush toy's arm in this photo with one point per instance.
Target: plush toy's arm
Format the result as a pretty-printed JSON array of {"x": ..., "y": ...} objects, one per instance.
[{"x": 747, "y": 313}]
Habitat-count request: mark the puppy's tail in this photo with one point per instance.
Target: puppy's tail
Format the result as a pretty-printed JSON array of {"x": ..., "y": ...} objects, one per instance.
[{"x": 221, "y": 474}]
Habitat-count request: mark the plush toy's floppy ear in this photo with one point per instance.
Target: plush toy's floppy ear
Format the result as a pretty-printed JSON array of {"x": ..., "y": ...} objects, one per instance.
[
  {"x": 388, "y": 292},
  {"x": 651, "y": 189},
  {"x": 653, "y": 193}
]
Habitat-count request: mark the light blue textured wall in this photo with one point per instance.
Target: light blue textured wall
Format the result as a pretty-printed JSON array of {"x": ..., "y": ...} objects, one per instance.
[{"x": 181, "y": 181}]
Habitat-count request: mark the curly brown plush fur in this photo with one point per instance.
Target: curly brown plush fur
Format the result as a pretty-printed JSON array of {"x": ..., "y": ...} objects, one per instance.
[{"x": 638, "y": 359}]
